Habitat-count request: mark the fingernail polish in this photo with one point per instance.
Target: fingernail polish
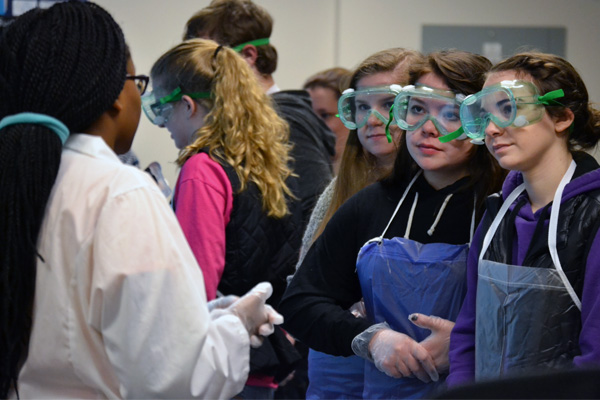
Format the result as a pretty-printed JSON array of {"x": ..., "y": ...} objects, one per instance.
[{"x": 413, "y": 317}]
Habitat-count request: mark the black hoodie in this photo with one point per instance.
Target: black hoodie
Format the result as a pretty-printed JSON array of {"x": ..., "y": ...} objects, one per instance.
[{"x": 314, "y": 146}]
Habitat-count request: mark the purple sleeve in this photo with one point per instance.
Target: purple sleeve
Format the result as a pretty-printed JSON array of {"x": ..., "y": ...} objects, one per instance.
[
  {"x": 590, "y": 310},
  {"x": 462, "y": 338}
]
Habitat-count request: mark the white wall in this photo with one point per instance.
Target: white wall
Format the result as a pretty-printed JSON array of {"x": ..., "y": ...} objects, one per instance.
[{"x": 311, "y": 35}]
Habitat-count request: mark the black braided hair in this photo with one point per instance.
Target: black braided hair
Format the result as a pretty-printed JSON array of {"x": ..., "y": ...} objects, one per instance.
[{"x": 69, "y": 62}]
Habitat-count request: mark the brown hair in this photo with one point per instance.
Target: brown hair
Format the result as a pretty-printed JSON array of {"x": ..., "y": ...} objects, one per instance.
[
  {"x": 241, "y": 126},
  {"x": 358, "y": 168},
  {"x": 234, "y": 22},
  {"x": 464, "y": 73},
  {"x": 551, "y": 72},
  {"x": 336, "y": 79}
]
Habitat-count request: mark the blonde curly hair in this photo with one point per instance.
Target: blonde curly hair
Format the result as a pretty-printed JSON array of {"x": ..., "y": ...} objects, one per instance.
[{"x": 241, "y": 127}]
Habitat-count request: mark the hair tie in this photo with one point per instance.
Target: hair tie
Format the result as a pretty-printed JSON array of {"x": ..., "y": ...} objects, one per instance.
[
  {"x": 217, "y": 52},
  {"x": 39, "y": 119}
]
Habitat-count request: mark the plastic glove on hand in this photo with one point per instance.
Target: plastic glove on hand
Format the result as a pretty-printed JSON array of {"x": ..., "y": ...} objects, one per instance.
[
  {"x": 399, "y": 356},
  {"x": 438, "y": 343},
  {"x": 222, "y": 302},
  {"x": 258, "y": 318}
]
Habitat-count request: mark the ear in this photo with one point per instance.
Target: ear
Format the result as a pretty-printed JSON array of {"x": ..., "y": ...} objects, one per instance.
[
  {"x": 118, "y": 105},
  {"x": 250, "y": 54},
  {"x": 563, "y": 121},
  {"x": 190, "y": 106}
]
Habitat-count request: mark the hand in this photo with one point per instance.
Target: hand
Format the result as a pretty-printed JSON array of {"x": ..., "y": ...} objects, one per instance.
[
  {"x": 258, "y": 318},
  {"x": 398, "y": 356},
  {"x": 438, "y": 343},
  {"x": 222, "y": 302}
]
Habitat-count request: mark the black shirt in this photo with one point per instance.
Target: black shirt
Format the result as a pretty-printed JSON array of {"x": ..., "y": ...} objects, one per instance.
[{"x": 316, "y": 301}]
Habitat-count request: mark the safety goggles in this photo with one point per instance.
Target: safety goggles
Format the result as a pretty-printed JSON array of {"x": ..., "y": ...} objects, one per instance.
[
  {"x": 159, "y": 110},
  {"x": 517, "y": 103},
  {"x": 416, "y": 105},
  {"x": 355, "y": 107}
]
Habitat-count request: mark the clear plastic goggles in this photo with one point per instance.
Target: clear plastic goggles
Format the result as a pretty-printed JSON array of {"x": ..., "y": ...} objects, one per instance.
[
  {"x": 159, "y": 110},
  {"x": 517, "y": 103},
  {"x": 156, "y": 112},
  {"x": 416, "y": 105},
  {"x": 355, "y": 107}
]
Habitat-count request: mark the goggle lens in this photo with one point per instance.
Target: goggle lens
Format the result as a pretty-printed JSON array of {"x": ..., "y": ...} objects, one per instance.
[
  {"x": 415, "y": 106},
  {"x": 356, "y": 107},
  {"x": 157, "y": 113}
]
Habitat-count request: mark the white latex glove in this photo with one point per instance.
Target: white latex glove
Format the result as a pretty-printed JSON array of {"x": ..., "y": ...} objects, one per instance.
[
  {"x": 399, "y": 356},
  {"x": 438, "y": 343},
  {"x": 258, "y": 318},
  {"x": 222, "y": 302}
]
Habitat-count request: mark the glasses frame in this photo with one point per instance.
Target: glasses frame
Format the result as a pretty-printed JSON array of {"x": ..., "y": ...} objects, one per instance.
[{"x": 141, "y": 82}]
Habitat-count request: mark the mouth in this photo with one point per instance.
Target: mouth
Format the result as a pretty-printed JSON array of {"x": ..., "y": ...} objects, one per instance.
[
  {"x": 499, "y": 147},
  {"x": 424, "y": 146},
  {"x": 376, "y": 135}
]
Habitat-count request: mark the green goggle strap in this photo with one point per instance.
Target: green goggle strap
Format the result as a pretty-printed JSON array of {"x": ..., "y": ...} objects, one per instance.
[
  {"x": 177, "y": 94},
  {"x": 387, "y": 126},
  {"x": 452, "y": 135},
  {"x": 257, "y": 42},
  {"x": 548, "y": 98}
]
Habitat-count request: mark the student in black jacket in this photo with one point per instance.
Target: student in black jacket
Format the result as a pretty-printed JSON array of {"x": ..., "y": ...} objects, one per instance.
[{"x": 401, "y": 243}]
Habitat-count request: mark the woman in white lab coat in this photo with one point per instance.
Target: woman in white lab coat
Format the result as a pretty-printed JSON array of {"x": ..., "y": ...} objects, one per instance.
[{"x": 101, "y": 295}]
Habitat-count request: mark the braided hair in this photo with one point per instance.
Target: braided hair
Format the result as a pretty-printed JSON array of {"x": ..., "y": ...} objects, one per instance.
[{"x": 68, "y": 62}]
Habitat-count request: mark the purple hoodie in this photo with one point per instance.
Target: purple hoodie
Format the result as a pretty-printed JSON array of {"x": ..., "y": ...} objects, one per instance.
[{"x": 462, "y": 340}]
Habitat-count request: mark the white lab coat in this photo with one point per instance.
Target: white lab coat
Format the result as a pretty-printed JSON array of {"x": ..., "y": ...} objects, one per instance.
[{"x": 120, "y": 307}]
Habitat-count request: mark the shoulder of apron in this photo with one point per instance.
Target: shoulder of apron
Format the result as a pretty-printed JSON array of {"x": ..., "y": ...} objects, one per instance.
[{"x": 578, "y": 225}]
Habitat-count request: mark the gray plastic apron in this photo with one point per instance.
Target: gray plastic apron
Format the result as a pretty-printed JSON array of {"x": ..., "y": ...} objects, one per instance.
[
  {"x": 399, "y": 277},
  {"x": 524, "y": 315}
]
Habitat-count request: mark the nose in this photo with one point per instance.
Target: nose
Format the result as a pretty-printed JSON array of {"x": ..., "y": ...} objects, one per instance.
[
  {"x": 373, "y": 119},
  {"x": 429, "y": 129},
  {"x": 493, "y": 130}
]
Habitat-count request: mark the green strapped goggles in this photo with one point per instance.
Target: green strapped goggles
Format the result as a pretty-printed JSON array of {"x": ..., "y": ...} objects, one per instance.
[
  {"x": 159, "y": 110},
  {"x": 355, "y": 107},
  {"x": 257, "y": 42},
  {"x": 416, "y": 105},
  {"x": 517, "y": 103}
]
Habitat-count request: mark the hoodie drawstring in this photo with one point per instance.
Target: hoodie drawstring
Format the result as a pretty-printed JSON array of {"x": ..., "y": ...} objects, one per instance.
[
  {"x": 411, "y": 215},
  {"x": 439, "y": 216}
]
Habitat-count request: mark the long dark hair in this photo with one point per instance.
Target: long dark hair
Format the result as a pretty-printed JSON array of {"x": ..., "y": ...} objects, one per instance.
[
  {"x": 358, "y": 168},
  {"x": 464, "y": 73},
  {"x": 68, "y": 62}
]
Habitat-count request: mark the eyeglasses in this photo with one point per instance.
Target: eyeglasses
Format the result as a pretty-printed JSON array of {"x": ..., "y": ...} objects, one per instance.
[{"x": 141, "y": 81}]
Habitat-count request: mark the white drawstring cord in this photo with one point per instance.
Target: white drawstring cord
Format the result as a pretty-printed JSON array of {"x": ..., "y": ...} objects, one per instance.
[
  {"x": 439, "y": 216},
  {"x": 411, "y": 215}
]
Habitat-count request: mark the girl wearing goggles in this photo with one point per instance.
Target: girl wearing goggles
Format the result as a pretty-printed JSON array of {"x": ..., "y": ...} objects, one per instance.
[
  {"x": 400, "y": 244},
  {"x": 234, "y": 190},
  {"x": 359, "y": 167},
  {"x": 540, "y": 238}
]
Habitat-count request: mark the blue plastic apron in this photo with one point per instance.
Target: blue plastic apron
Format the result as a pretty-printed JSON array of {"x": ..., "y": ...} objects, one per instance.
[
  {"x": 524, "y": 315},
  {"x": 331, "y": 377},
  {"x": 399, "y": 277}
]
